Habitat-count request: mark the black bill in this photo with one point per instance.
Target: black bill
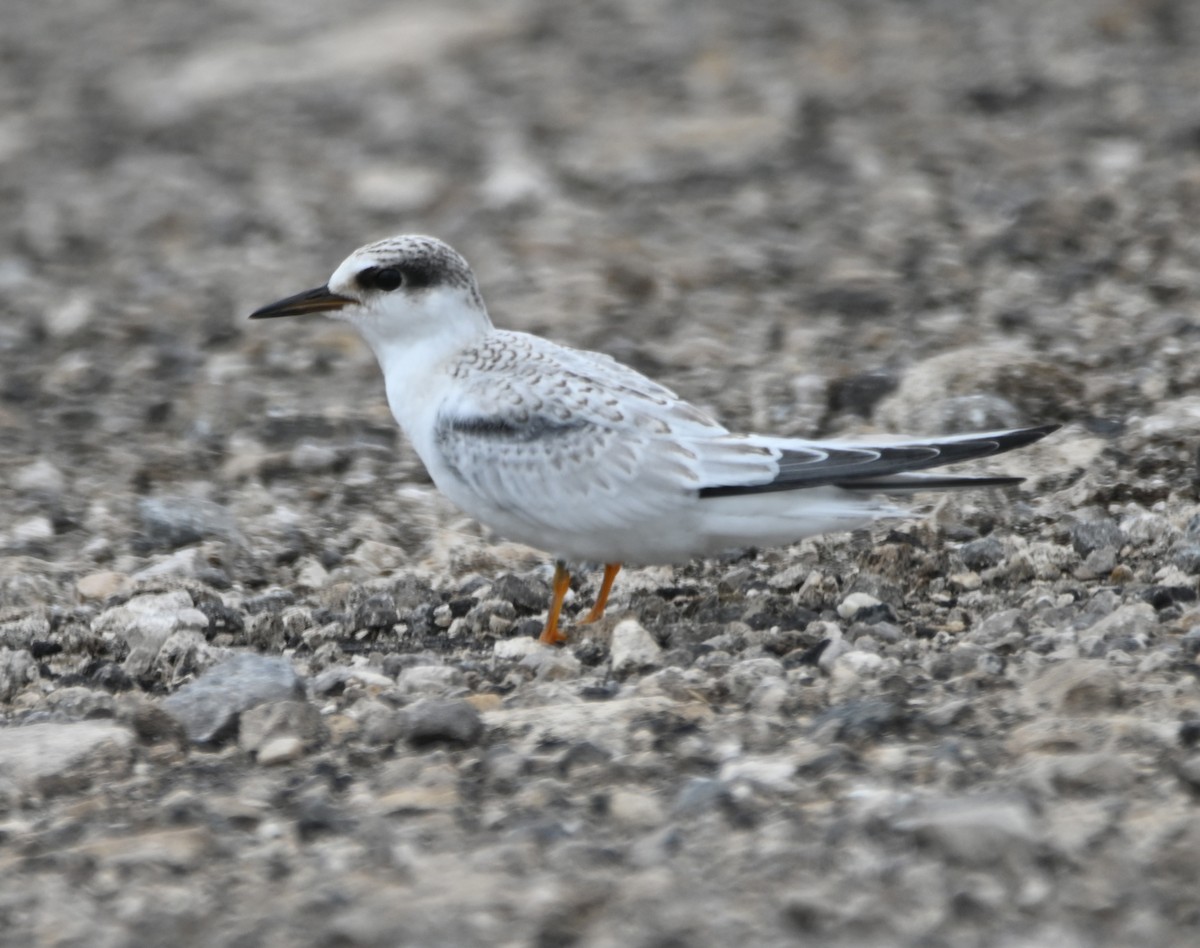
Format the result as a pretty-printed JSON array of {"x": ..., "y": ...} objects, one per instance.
[{"x": 319, "y": 300}]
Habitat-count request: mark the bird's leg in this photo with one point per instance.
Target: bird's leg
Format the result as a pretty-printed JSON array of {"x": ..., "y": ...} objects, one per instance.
[
  {"x": 610, "y": 573},
  {"x": 562, "y": 582}
]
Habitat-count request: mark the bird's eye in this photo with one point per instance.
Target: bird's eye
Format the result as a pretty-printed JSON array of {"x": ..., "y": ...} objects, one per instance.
[
  {"x": 388, "y": 279},
  {"x": 381, "y": 278}
]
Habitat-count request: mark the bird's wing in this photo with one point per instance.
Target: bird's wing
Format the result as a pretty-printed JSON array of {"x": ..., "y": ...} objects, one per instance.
[
  {"x": 569, "y": 440},
  {"x": 896, "y": 467},
  {"x": 563, "y": 439}
]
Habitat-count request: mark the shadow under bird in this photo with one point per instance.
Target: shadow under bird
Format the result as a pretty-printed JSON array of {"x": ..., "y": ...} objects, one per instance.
[{"x": 574, "y": 453}]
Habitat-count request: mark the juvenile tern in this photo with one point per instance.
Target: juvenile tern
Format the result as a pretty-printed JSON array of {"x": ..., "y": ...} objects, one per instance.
[{"x": 574, "y": 453}]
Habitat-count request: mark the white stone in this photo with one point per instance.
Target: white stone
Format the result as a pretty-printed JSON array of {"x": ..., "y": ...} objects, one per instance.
[{"x": 633, "y": 647}]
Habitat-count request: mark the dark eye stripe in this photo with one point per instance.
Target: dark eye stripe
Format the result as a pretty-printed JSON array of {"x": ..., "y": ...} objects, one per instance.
[{"x": 385, "y": 279}]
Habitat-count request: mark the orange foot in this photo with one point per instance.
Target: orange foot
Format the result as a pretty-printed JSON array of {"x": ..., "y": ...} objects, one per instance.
[{"x": 562, "y": 582}]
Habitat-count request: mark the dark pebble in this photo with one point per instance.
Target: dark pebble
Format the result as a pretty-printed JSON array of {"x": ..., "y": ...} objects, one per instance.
[
  {"x": 1090, "y": 535},
  {"x": 208, "y": 707},
  {"x": 434, "y": 720},
  {"x": 525, "y": 594},
  {"x": 377, "y": 614},
  {"x": 981, "y": 554}
]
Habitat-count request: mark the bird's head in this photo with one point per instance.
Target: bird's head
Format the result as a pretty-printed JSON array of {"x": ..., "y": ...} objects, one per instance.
[{"x": 399, "y": 290}]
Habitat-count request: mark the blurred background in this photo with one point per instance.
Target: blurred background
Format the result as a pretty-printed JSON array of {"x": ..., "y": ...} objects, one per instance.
[{"x": 813, "y": 217}]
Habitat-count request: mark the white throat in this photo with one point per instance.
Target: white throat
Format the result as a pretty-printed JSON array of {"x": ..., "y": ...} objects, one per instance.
[{"x": 413, "y": 338}]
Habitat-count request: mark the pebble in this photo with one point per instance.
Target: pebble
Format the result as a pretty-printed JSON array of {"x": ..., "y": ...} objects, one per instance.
[
  {"x": 102, "y": 585},
  {"x": 429, "y": 680},
  {"x": 632, "y": 648},
  {"x": 167, "y": 523},
  {"x": 1081, "y": 686},
  {"x": 146, "y": 622},
  {"x": 267, "y": 722},
  {"x": 857, "y": 604},
  {"x": 209, "y": 707},
  {"x": 57, "y": 758},
  {"x": 17, "y": 670},
  {"x": 974, "y": 831},
  {"x": 635, "y": 809},
  {"x": 40, "y": 477},
  {"x": 280, "y": 750},
  {"x": 432, "y": 720}
]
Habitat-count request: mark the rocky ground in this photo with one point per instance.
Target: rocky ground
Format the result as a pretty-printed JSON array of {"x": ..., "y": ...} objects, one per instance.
[{"x": 260, "y": 685}]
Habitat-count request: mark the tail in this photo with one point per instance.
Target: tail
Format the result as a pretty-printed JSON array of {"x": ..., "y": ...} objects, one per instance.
[{"x": 887, "y": 468}]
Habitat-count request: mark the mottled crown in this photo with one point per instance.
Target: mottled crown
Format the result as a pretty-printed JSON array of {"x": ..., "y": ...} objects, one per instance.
[{"x": 423, "y": 262}]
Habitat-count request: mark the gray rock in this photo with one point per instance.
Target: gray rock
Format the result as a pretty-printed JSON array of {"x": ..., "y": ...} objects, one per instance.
[
  {"x": 1081, "y": 686},
  {"x": 981, "y": 554},
  {"x": 744, "y": 677},
  {"x": 146, "y": 622},
  {"x": 281, "y": 719},
  {"x": 699, "y": 795},
  {"x": 432, "y": 720},
  {"x": 209, "y": 707},
  {"x": 17, "y": 669},
  {"x": 975, "y": 832},
  {"x": 999, "y": 626},
  {"x": 1088, "y": 536},
  {"x": 57, "y": 758},
  {"x": 167, "y": 523},
  {"x": 1189, "y": 643},
  {"x": 429, "y": 680},
  {"x": 527, "y": 594}
]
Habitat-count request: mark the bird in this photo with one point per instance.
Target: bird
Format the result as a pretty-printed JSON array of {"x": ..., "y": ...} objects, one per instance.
[{"x": 578, "y": 455}]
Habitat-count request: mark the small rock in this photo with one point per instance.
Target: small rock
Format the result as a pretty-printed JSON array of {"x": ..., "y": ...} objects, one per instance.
[
  {"x": 17, "y": 669},
  {"x": 553, "y": 665},
  {"x": 858, "y": 720},
  {"x": 768, "y": 773},
  {"x": 380, "y": 723},
  {"x": 998, "y": 626},
  {"x": 32, "y": 531},
  {"x": 339, "y": 676},
  {"x": 54, "y": 758},
  {"x": 635, "y": 810},
  {"x": 280, "y": 750},
  {"x": 431, "y": 720},
  {"x": 857, "y": 604},
  {"x": 377, "y": 614},
  {"x": 1102, "y": 772},
  {"x": 40, "y": 477},
  {"x": 698, "y": 795},
  {"x": 981, "y": 554},
  {"x": 632, "y": 648},
  {"x": 102, "y": 584},
  {"x": 146, "y": 622},
  {"x": 1090, "y": 535},
  {"x": 975, "y": 831},
  {"x": 167, "y": 523},
  {"x": 1133, "y": 620},
  {"x": 377, "y": 558},
  {"x": 529, "y": 596},
  {"x": 419, "y": 799},
  {"x": 518, "y": 648},
  {"x": 744, "y": 677},
  {"x": 1081, "y": 686},
  {"x": 210, "y": 706},
  {"x": 271, "y": 720},
  {"x": 429, "y": 680}
]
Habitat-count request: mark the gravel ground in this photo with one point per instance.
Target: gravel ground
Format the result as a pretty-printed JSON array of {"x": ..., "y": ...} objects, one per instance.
[{"x": 260, "y": 685}]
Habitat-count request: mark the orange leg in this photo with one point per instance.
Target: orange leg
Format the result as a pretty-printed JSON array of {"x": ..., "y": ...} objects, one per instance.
[
  {"x": 562, "y": 582},
  {"x": 610, "y": 573}
]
